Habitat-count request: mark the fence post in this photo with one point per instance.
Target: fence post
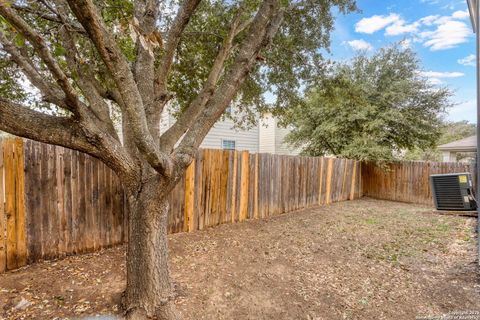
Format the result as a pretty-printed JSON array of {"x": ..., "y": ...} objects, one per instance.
[
  {"x": 9, "y": 167},
  {"x": 14, "y": 210},
  {"x": 20, "y": 203},
  {"x": 244, "y": 178},
  {"x": 354, "y": 180},
  {"x": 188, "y": 224},
  {"x": 320, "y": 184},
  {"x": 344, "y": 181},
  {"x": 255, "y": 194},
  {"x": 234, "y": 187},
  {"x": 328, "y": 189}
]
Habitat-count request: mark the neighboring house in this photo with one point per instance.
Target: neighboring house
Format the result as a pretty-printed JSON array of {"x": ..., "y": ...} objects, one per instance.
[
  {"x": 463, "y": 150},
  {"x": 271, "y": 138},
  {"x": 266, "y": 137}
]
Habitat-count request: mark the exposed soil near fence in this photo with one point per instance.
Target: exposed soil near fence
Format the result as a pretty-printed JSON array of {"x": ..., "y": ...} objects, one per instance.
[{"x": 363, "y": 259}]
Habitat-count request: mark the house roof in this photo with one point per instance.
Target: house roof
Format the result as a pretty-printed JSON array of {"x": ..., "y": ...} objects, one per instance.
[{"x": 463, "y": 145}]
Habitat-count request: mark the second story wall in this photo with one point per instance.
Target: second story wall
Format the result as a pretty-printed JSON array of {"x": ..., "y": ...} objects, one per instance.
[
  {"x": 223, "y": 135},
  {"x": 271, "y": 138},
  {"x": 280, "y": 146},
  {"x": 266, "y": 139}
]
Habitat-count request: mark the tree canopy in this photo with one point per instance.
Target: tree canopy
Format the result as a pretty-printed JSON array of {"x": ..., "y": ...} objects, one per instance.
[
  {"x": 292, "y": 59},
  {"x": 372, "y": 107}
]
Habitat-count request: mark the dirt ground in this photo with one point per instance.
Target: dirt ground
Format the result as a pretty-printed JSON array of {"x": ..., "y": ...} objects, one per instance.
[{"x": 363, "y": 259}]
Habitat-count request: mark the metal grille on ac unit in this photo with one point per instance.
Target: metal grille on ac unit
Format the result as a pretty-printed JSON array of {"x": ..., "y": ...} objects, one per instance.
[{"x": 453, "y": 191}]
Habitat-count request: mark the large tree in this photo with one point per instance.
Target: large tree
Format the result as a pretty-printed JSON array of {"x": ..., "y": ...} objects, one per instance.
[
  {"x": 370, "y": 108},
  {"x": 71, "y": 68}
]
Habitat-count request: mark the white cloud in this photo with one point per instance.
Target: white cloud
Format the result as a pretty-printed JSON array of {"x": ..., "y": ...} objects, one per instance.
[
  {"x": 429, "y": 20},
  {"x": 360, "y": 45},
  {"x": 437, "y": 74},
  {"x": 447, "y": 35},
  {"x": 461, "y": 14},
  {"x": 435, "y": 32},
  {"x": 400, "y": 27},
  {"x": 468, "y": 60},
  {"x": 375, "y": 23},
  {"x": 434, "y": 77}
]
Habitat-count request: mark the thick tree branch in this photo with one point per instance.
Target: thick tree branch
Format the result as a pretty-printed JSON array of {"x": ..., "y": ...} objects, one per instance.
[
  {"x": 171, "y": 136},
  {"x": 64, "y": 131},
  {"x": 146, "y": 14},
  {"x": 38, "y": 126},
  {"x": 119, "y": 68},
  {"x": 181, "y": 20},
  {"x": 85, "y": 78},
  {"x": 265, "y": 25}
]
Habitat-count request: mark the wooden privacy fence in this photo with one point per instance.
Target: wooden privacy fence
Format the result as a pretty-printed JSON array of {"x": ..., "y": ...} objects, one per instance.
[
  {"x": 406, "y": 181},
  {"x": 229, "y": 186},
  {"x": 55, "y": 201}
]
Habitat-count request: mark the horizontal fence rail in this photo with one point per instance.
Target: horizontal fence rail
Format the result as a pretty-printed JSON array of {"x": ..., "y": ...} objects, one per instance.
[
  {"x": 55, "y": 201},
  {"x": 406, "y": 181}
]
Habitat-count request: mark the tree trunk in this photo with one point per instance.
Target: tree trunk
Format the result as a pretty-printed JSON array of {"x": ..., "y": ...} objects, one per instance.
[{"x": 149, "y": 293}]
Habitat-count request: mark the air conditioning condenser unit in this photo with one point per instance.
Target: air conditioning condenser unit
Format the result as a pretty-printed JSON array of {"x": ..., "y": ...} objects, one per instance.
[{"x": 453, "y": 191}]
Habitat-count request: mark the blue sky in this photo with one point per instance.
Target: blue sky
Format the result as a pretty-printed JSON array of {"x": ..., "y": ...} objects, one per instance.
[{"x": 438, "y": 30}]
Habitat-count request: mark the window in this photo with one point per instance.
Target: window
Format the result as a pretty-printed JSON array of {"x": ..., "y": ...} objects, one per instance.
[{"x": 228, "y": 144}]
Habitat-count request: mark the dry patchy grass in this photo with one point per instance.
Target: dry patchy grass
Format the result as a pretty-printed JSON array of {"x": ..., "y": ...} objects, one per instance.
[{"x": 363, "y": 259}]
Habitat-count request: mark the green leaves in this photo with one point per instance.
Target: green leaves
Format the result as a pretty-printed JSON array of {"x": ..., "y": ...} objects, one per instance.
[
  {"x": 4, "y": 25},
  {"x": 290, "y": 63},
  {"x": 19, "y": 40},
  {"x": 373, "y": 108}
]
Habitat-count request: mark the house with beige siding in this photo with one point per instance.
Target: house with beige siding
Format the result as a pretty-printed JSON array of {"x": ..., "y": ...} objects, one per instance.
[
  {"x": 462, "y": 150},
  {"x": 271, "y": 138},
  {"x": 266, "y": 137}
]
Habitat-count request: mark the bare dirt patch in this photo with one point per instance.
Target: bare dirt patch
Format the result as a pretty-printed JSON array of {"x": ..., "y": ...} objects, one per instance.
[{"x": 364, "y": 259}]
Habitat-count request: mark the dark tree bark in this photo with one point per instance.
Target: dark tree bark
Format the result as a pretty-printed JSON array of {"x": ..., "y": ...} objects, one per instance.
[
  {"x": 149, "y": 165},
  {"x": 149, "y": 290}
]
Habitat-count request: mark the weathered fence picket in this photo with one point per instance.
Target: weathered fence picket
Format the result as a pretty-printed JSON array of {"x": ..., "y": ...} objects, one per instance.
[{"x": 13, "y": 245}]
